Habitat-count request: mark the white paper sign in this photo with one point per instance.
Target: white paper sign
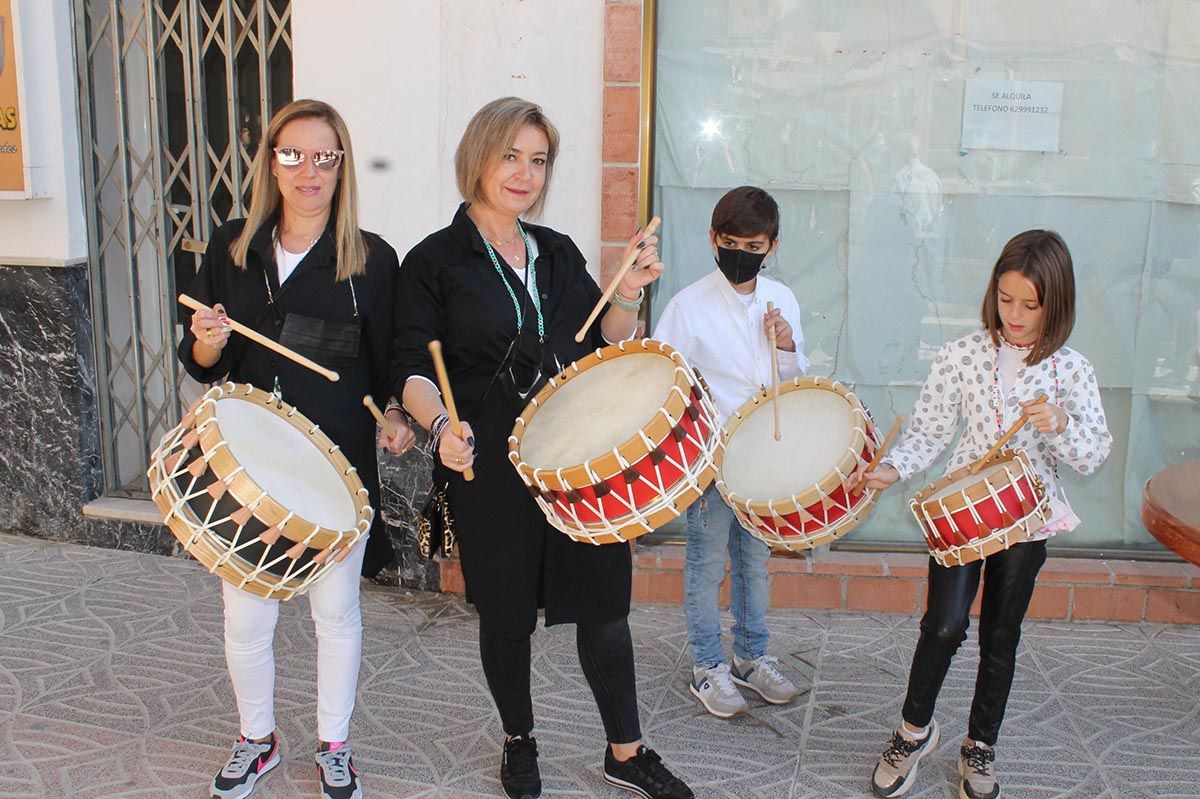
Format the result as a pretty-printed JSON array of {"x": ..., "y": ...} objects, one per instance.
[{"x": 1011, "y": 115}]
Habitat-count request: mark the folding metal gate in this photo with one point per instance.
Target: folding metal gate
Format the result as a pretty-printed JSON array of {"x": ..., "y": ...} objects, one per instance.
[{"x": 174, "y": 95}]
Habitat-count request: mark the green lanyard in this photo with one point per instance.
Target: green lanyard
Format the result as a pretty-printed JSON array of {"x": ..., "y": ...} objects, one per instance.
[{"x": 532, "y": 278}]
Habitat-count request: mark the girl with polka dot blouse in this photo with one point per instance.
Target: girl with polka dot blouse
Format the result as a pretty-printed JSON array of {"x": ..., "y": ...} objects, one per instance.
[{"x": 981, "y": 384}]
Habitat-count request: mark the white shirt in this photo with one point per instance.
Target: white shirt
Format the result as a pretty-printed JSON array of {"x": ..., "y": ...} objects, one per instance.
[
  {"x": 286, "y": 261},
  {"x": 721, "y": 334},
  {"x": 962, "y": 388}
]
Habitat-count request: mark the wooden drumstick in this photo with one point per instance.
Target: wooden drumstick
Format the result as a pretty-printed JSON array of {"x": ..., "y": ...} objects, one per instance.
[
  {"x": 1012, "y": 431},
  {"x": 259, "y": 338},
  {"x": 616, "y": 281},
  {"x": 774, "y": 372},
  {"x": 439, "y": 366},
  {"x": 388, "y": 429},
  {"x": 883, "y": 448}
]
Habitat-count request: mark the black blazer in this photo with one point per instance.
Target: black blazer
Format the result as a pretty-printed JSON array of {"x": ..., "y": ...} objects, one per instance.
[{"x": 310, "y": 291}]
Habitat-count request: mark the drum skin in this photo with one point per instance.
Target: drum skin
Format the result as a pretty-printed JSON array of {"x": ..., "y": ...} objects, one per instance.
[{"x": 1171, "y": 509}]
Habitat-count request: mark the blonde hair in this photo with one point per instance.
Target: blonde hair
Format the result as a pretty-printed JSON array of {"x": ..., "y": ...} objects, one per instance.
[
  {"x": 489, "y": 134},
  {"x": 349, "y": 242}
]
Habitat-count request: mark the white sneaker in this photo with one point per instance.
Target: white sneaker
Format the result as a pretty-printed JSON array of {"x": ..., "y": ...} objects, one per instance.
[
  {"x": 763, "y": 676},
  {"x": 716, "y": 691}
]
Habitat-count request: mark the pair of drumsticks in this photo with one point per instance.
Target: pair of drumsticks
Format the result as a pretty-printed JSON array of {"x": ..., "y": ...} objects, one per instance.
[{"x": 435, "y": 349}]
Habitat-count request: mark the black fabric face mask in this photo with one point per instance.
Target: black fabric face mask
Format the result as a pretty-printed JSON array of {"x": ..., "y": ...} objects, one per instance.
[{"x": 738, "y": 266}]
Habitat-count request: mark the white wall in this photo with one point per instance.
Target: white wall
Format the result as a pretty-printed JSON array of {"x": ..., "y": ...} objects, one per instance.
[
  {"x": 408, "y": 75},
  {"x": 51, "y": 229}
]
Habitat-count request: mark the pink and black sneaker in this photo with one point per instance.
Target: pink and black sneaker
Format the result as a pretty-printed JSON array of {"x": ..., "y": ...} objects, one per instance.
[
  {"x": 247, "y": 763},
  {"x": 335, "y": 770}
]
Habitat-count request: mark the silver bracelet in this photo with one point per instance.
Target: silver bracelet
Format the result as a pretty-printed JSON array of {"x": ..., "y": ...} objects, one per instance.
[
  {"x": 394, "y": 405},
  {"x": 629, "y": 306}
]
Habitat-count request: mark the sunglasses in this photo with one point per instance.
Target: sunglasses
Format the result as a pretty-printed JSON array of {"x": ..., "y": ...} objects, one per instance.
[{"x": 293, "y": 157}]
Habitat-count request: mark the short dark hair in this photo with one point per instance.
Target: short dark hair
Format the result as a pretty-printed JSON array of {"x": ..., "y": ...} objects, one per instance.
[
  {"x": 1042, "y": 257},
  {"x": 745, "y": 212}
]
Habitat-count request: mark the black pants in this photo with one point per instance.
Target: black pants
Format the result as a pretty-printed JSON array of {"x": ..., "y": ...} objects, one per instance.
[
  {"x": 606, "y": 655},
  {"x": 1008, "y": 582}
]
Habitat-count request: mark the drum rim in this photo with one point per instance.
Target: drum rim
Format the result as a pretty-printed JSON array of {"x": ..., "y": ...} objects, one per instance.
[
  {"x": 607, "y": 466},
  {"x": 813, "y": 494}
]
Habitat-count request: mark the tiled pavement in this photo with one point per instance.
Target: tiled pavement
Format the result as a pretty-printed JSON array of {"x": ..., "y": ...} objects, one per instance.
[{"x": 113, "y": 684}]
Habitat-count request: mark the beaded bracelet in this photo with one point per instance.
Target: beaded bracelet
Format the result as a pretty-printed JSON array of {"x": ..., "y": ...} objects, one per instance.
[
  {"x": 630, "y": 306},
  {"x": 435, "y": 432}
]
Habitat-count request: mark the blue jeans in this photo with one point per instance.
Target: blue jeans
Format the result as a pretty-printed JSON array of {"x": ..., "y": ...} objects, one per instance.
[{"x": 712, "y": 533}]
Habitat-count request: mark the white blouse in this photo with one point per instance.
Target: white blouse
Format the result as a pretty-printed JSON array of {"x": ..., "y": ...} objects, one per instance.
[{"x": 963, "y": 386}]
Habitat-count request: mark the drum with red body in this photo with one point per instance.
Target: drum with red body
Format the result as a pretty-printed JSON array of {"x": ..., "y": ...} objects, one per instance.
[
  {"x": 618, "y": 443},
  {"x": 967, "y": 517},
  {"x": 792, "y": 493}
]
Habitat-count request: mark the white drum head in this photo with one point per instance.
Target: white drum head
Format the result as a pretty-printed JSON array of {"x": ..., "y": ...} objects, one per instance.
[
  {"x": 597, "y": 410},
  {"x": 285, "y": 463},
  {"x": 991, "y": 472},
  {"x": 818, "y": 427}
]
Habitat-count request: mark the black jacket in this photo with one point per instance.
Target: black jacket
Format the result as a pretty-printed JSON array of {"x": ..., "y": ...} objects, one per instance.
[
  {"x": 310, "y": 291},
  {"x": 512, "y": 559}
]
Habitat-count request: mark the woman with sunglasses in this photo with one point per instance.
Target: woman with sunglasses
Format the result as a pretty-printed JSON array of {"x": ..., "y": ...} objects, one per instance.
[
  {"x": 506, "y": 298},
  {"x": 299, "y": 270}
]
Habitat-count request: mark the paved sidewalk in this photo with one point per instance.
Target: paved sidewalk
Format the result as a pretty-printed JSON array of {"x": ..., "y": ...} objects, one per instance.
[{"x": 113, "y": 684}]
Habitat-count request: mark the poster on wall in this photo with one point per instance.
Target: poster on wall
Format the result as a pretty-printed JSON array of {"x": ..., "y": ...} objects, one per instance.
[
  {"x": 12, "y": 156},
  {"x": 1012, "y": 115}
]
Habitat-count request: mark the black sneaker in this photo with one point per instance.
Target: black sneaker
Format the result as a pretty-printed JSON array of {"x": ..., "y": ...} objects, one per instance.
[
  {"x": 336, "y": 772},
  {"x": 519, "y": 773},
  {"x": 645, "y": 775},
  {"x": 247, "y": 763}
]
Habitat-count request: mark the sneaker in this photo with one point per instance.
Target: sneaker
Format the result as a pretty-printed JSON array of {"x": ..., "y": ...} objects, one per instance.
[
  {"x": 336, "y": 772},
  {"x": 645, "y": 775},
  {"x": 977, "y": 765},
  {"x": 519, "y": 773},
  {"x": 247, "y": 763},
  {"x": 715, "y": 689},
  {"x": 897, "y": 768},
  {"x": 762, "y": 675}
]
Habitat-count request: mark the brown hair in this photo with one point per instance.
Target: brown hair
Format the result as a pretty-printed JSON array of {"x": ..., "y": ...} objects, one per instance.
[
  {"x": 349, "y": 242},
  {"x": 745, "y": 212},
  {"x": 1042, "y": 257},
  {"x": 489, "y": 135}
]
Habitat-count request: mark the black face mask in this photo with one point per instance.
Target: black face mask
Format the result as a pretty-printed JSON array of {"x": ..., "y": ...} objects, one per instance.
[{"x": 738, "y": 266}]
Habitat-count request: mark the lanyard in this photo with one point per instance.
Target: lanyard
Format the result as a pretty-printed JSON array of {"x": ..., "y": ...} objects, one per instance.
[{"x": 530, "y": 277}]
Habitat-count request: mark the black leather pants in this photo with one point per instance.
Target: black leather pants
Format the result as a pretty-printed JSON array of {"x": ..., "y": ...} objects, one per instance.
[{"x": 1008, "y": 580}]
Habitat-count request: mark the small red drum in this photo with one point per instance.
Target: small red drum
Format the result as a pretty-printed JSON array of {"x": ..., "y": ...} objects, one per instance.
[
  {"x": 966, "y": 517},
  {"x": 1171, "y": 508},
  {"x": 257, "y": 493},
  {"x": 618, "y": 443},
  {"x": 792, "y": 493}
]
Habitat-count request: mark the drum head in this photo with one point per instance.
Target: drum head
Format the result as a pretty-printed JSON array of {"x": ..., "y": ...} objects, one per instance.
[
  {"x": 285, "y": 463},
  {"x": 993, "y": 472},
  {"x": 818, "y": 426},
  {"x": 597, "y": 410}
]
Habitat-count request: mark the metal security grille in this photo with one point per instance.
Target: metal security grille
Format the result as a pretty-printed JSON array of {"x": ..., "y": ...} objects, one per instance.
[{"x": 174, "y": 95}]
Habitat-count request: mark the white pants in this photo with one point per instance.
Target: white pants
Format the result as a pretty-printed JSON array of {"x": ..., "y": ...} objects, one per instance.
[{"x": 249, "y": 650}]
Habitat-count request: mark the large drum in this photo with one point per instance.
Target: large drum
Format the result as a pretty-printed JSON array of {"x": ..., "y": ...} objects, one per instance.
[
  {"x": 1171, "y": 508},
  {"x": 618, "y": 443},
  {"x": 967, "y": 517},
  {"x": 792, "y": 493},
  {"x": 257, "y": 493}
]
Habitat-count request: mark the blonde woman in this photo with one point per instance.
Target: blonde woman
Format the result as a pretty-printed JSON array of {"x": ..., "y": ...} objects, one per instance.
[
  {"x": 506, "y": 297},
  {"x": 298, "y": 269}
]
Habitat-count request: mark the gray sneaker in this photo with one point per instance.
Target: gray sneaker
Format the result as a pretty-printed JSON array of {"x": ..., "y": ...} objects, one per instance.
[
  {"x": 716, "y": 691},
  {"x": 977, "y": 765},
  {"x": 897, "y": 767},
  {"x": 763, "y": 676},
  {"x": 248, "y": 762}
]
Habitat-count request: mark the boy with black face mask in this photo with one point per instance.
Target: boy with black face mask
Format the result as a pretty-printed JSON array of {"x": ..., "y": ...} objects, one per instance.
[{"x": 721, "y": 325}]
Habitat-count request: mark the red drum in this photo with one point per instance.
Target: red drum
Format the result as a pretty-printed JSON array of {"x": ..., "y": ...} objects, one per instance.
[
  {"x": 966, "y": 517},
  {"x": 618, "y": 443},
  {"x": 792, "y": 493}
]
